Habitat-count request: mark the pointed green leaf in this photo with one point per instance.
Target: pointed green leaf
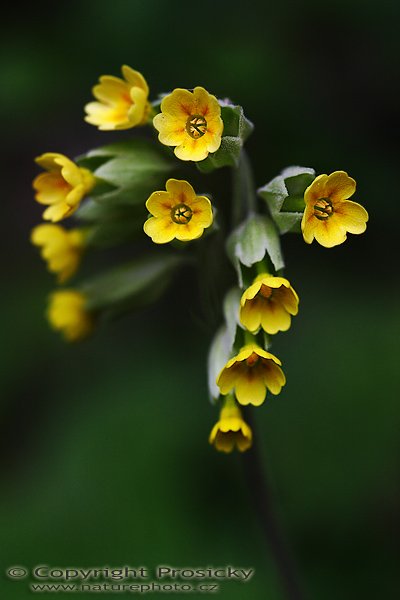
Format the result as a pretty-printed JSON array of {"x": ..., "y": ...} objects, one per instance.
[
  {"x": 219, "y": 354},
  {"x": 254, "y": 238},
  {"x": 131, "y": 285}
]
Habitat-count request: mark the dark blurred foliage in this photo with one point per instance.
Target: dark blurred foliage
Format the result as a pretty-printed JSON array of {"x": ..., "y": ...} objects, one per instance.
[{"x": 104, "y": 458}]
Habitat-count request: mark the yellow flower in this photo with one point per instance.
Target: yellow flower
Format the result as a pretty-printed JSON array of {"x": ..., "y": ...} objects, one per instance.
[
  {"x": 62, "y": 186},
  {"x": 62, "y": 249},
  {"x": 250, "y": 373},
  {"x": 177, "y": 213},
  {"x": 122, "y": 103},
  {"x": 269, "y": 302},
  {"x": 191, "y": 121},
  {"x": 231, "y": 430},
  {"x": 329, "y": 215},
  {"x": 67, "y": 313}
]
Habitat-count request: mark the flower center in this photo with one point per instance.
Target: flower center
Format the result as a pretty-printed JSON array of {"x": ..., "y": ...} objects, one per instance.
[
  {"x": 181, "y": 214},
  {"x": 252, "y": 360},
  {"x": 323, "y": 209},
  {"x": 265, "y": 291},
  {"x": 196, "y": 126}
]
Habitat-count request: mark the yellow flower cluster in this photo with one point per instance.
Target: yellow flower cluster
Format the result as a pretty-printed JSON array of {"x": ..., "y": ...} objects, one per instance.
[
  {"x": 268, "y": 304},
  {"x": 62, "y": 187},
  {"x": 190, "y": 121}
]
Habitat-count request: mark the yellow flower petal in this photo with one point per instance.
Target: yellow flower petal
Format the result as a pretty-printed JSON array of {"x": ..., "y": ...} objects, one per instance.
[
  {"x": 274, "y": 318},
  {"x": 228, "y": 376},
  {"x": 354, "y": 217},
  {"x": 178, "y": 105},
  {"x": 339, "y": 186},
  {"x": 135, "y": 79},
  {"x": 289, "y": 299},
  {"x": 250, "y": 388},
  {"x": 57, "y": 212},
  {"x": 171, "y": 132},
  {"x": 273, "y": 377},
  {"x": 250, "y": 314},
  {"x": 180, "y": 190},
  {"x": 190, "y": 231},
  {"x": 191, "y": 149},
  {"x": 330, "y": 233},
  {"x": 161, "y": 229},
  {"x": 316, "y": 189},
  {"x": 67, "y": 314},
  {"x": 160, "y": 203},
  {"x": 50, "y": 188}
]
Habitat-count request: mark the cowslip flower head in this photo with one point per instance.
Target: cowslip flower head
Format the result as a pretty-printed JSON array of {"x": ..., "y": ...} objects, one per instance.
[
  {"x": 62, "y": 186},
  {"x": 231, "y": 430},
  {"x": 60, "y": 248},
  {"x": 190, "y": 121},
  {"x": 177, "y": 213},
  {"x": 122, "y": 103},
  {"x": 250, "y": 374},
  {"x": 67, "y": 314},
  {"x": 328, "y": 214},
  {"x": 268, "y": 303}
]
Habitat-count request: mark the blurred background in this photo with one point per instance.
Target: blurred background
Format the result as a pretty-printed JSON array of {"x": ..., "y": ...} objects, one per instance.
[{"x": 104, "y": 453}]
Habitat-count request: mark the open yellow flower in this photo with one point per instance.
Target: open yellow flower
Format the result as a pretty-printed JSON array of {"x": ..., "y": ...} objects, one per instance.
[
  {"x": 268, "y": 303},
  {"x": 60, "y": 248},
  {"x": 191, "y": 121},
  {"x": 329, "y": 215},
  {"x": 67, "y": 313},
  {"x": 122, "y": 103},
  {"x": 62, "y": 186},
  {"x": 231, "y": 430},
  {"x": 250, "y": 373},
  {"x": 177, "y": 213}
]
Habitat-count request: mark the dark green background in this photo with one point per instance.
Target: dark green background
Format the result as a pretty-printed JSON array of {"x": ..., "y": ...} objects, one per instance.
[{"x": 104, "y": 454}]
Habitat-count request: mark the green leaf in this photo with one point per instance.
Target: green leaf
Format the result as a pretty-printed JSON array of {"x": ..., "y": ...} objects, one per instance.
[
  {"x": 131, "y": 285},
  {"x": 231, "y": 308},
  {"x": 108, "y": 234},
  {"x": 284, "y": 196},
  {"x": 237, "y": 129},
  {"x": 219, "y": 353},
  {"x": 252, "y": 240},
  {"x": 93, "y": 211},
  {"x": 128, "y": 171},
  {"x": 226, "y": 156}
]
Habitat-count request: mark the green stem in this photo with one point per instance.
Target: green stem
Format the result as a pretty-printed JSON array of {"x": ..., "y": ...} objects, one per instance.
[
  {"x": 244, "y": 196},
  {"x": 262, "y": 498}
]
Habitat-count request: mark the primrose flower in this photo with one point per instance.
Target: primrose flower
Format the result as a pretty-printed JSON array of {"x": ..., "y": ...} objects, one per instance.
[
  {"x": 122, "y": 103},
  {"x": 268, "y": 303},
  {"x": 250, "y": 373},
  {"x": 191, "y": 121},
  {"x": 67, "y": 313},
  {"x": 60, "y": 248},
  {"x": 329, "y": 215},
  {"x": 62, "y": 186},
  {"x": 231, "y": 430},
  {"x": 177, "y": 213}
]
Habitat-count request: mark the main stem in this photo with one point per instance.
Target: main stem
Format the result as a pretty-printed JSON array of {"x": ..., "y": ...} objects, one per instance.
[{"x": 263, "y": 501}]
